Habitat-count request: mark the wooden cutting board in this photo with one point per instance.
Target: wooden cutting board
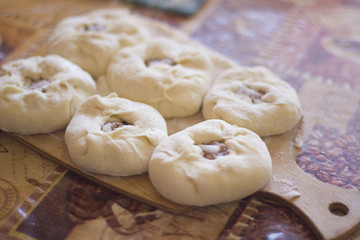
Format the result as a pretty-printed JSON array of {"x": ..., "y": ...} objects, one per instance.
[{"x": 332, "y": 212}]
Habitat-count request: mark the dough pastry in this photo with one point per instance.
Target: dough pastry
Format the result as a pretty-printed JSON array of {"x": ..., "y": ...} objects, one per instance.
[
  {"x": 253, "y": 98},
  {"x": 209, "y": 163},
  {"x": 40, "y": 94},
  {"x": 91, "y": 40},
  {"x": 114, "y": 136},
  {"x": 169, "y": 76}
]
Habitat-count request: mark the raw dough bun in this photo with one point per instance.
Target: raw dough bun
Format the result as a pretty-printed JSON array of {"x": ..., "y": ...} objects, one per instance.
[
  {"x": 92, "y": 39},
  {"x": 169, "y": 76},
  {"x": 114, "y": 136},
  {"x": 40, "y": 94},
  {"x": 184, "y": 169},
  {"x": 253, "y": 98}
]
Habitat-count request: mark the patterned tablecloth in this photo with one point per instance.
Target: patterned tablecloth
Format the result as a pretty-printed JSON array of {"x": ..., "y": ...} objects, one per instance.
[{"x": 313, "y": 44}]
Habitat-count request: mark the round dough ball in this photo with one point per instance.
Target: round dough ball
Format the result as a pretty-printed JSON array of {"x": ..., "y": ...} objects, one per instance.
[
  {"x": 41, "y": 94},
  {"x": 169, "y": 76},
  {"x": 90, "y": 40},
  {"x": 253, "y": 98},
  {"x": 210, "y": 162},
  {"x": 114, "y": 136}
]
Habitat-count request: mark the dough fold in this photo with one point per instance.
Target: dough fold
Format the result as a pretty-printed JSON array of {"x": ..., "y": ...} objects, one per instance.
[
  {"x": 114, "y": 136},
  {"x": 40, "y": 94},
  {"x": 181, "y": 171},
  {"x": 171, "y": 77},
  {"x": 90, "y": 40},
  {"x": 253, "y": 98}
]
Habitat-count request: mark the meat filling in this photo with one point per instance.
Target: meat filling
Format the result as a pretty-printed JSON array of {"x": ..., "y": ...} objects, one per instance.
[
  {"x": 255, "y": 96},
  {"x": 40, "y": 85},
  {"x": 167, "y": 61},
  {"x": 112, "y": 125},
  {"x": 94, "y": 27},
  {"x": 214, "y": 149}
]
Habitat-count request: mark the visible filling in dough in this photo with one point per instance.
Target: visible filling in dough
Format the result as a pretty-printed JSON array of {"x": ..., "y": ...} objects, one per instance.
[
  {"x": 254, "y": 95},
  {"x": 40, "y": 85},
  {"x": 112, "y": 125},
  {"x": 95, "y": 27},
  {"x": 214, "y": 149},
  {"x": 167, "y": 61}
]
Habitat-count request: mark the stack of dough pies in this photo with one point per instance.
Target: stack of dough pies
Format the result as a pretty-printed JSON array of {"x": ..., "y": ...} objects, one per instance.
[{"x": 151, "y": 74}]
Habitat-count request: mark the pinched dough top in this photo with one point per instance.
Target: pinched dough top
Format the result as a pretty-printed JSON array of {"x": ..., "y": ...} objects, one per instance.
[
  {"x": 90, "y": 40},
  {"x": 40, "y": 94},
  {"x": 114, "y": 136},
  {"x": 210, "y": 162},
  {"x": 169, "y": 76},
  {"x": 253, "y": 98}
]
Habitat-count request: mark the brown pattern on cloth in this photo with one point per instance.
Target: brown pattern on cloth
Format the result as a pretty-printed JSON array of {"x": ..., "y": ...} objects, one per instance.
[
  {"x": 75, "y": 201},
  {"x": 240, "y": 29},
  {"x": 332, "y": 157},
  {"x": 256, "y": 218},
  {"x": 275, "y": 221},
  {"x": 90, "y": 201},
  {"x": 319, "y": 38},
  {"x": 24, "y": 208},
  {"x": 319, "y": 61},
  {"x": 353, "y": 126},
  {"x": 15, "y": 35},
  {"x": 8, "y": 197},
  {"x": 3, "y": 149}
]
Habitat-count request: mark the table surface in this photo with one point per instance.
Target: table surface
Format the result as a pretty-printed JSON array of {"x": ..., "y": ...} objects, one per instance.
[{"x": 314, "y": 45}]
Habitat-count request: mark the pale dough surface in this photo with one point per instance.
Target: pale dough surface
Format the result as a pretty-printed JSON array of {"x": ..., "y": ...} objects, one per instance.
[
  {"x": 40, "y": 94},
  {"x": 175, "y": 90},
  {"x": 123, "y": 151},
  {"x": 253, "y": 98},
  {"x": 181, "y": 173},
  {"x": 90, "y": 40}
]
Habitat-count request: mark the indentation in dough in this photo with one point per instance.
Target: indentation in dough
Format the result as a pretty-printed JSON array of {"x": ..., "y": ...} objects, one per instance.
[
  {"x": 167, "y": 61},
  {"x": 3, "y": 73},
  {"x": 40, "y": 85},
  {"x": 254, "y": 95},
  {"x": 94, "y": 27},
  {"x": 112, "y": 125},
  {"x": 214, "y": 149}
]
